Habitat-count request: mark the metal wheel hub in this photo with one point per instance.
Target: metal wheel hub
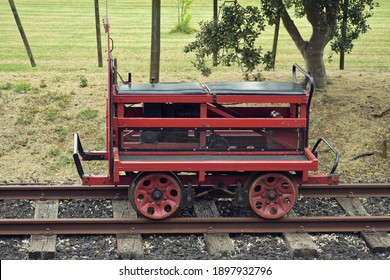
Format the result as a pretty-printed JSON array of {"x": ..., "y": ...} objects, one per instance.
[
  {"x": 272, "y": 195},
  {"x": 156, "y": 195}
]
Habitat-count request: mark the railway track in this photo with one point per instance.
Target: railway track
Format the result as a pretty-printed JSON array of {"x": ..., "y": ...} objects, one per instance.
[
  {"x": 129, "y": 230},
  {"x": 194, "y": 225},
  {"x": 28, "y": 191}
]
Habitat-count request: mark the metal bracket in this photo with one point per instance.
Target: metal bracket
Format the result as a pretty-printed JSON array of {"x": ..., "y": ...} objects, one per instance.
[
  {"x": 241, "y": 196},
  {"x": 188, "y": 197}
]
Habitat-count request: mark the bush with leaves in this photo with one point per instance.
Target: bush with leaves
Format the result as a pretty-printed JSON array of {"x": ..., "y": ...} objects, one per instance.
[
  {"x": 357, "y": 14},
  {"x": 233, "y": 38},
  {"x": 183, "y": 17}
]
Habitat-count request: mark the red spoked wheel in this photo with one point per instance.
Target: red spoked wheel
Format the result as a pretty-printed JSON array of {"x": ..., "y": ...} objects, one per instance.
[
  {"x": 156, "y": 195},
  {"x": 272, "y": 195}
]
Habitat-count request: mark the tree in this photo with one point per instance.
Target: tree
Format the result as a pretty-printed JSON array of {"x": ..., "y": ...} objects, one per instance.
[
  {"x": 232, "y": 40},
  {"x": 183, "y": 17},
  {"x": 326, "y": 19}
]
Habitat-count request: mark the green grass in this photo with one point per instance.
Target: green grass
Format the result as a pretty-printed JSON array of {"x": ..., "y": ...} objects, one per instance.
[
  {"x": 88, "y": 114},
  {"x": 54, "y": 152},
  {"x": 6, "y": 86},
  {"x": 51, "y": 114},
  {"x": 22, "y": 87},
  {"x": 61, "y": 132},
  {"x": 62, "y": 37},
  {"x": 24, "y": 121}
]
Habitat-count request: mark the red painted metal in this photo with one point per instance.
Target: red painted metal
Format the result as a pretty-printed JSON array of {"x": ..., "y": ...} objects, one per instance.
[
  {"x": 214, "y": 165},
  {"x": 208, "y": 98},
  {"x": 209, "y": 123},
  {"x": 189, "y": 153},
  {"x": 272, "y": 195},
  {"x": 110, "y": 86},
  {"x": 155, "y": 195},
  {"x": 202, "y": 137}
]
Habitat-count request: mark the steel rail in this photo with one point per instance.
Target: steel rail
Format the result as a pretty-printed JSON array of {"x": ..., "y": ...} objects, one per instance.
[
  {"x": 194, "y": 225},
  {"x": 121, "y": 192},
  {"x": 346, "y": 190},
  {"x": 43, "y": 192}
]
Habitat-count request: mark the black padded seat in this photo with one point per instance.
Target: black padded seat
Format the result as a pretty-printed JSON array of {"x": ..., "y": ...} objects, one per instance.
[
  {"x": 162, "y": 88},
  {"x": 255, "y": 88}
]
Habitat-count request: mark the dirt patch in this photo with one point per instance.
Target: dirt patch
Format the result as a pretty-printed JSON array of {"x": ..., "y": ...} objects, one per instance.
[
  {"x": 351, "y": 113},
  {"x": 40, "y": 113}
]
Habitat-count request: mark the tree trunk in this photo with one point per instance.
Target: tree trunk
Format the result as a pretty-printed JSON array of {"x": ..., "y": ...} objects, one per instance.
[
  {"x": 155, "y": 48},
  {"x": 312, "y": 50},
  {"x": 314, "y": 59}
]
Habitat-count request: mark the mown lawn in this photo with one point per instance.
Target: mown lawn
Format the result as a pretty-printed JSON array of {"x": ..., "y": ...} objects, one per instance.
[
  {"x": 41, "y": 108},
  {"x": 62, "y": 37}
]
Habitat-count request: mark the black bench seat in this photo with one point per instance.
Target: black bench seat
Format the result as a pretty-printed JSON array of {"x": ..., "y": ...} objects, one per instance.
[
  {"x": 255, "y": 88},
  {"x": 215, "y": 88},
  {"x": 162, "y": 88}
]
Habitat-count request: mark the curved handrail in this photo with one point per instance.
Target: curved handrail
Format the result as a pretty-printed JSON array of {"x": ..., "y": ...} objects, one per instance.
[
  {"x": 336, "y": 162},
  {"x": 307, "y": 75}
]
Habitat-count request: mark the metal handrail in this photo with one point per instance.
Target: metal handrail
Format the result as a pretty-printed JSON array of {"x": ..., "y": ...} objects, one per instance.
[
  {"x": 336, "y": 162},
  {"x": 307, "y": 75}
]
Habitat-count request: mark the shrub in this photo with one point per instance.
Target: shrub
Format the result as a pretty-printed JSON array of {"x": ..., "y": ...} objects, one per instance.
[
  {"x": 183, "y": 17},
  {"x": 83, "y": 81}
]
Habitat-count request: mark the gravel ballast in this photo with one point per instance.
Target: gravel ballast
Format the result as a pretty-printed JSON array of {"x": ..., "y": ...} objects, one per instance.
[{"x": 334, "y": 246}]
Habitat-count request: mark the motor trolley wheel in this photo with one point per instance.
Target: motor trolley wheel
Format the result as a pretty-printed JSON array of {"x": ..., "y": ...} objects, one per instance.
[
  {"x": 156, "y": 195},
  {"x": 272, "y": 195}
]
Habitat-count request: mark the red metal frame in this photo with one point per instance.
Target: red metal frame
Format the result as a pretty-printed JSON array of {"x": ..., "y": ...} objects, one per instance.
[{"x": 224, "y": 114}]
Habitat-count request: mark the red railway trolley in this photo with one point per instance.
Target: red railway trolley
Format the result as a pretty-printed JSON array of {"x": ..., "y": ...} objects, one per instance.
[{"x": 175, "y": 142}]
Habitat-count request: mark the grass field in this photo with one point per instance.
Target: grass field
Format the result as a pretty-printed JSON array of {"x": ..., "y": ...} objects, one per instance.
[
  {"x": 41, "y": 108},
  {"x": 62, "y": 37}
]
